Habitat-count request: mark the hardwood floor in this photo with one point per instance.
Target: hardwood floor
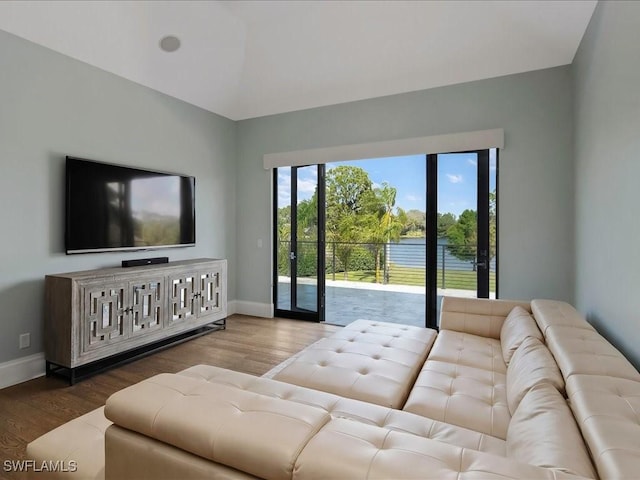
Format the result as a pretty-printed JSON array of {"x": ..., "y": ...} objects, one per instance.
[{"x": 249, "y": 344}]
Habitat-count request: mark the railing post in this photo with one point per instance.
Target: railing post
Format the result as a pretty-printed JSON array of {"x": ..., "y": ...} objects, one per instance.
[
  {"x": 443, "y": 274},
  {"x": 334, "y": 260},
  {"x": 385, "y": 268}
]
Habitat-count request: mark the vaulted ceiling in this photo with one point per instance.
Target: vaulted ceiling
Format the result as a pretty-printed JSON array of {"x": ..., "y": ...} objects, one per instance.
[{"x": 245, "y": 59}]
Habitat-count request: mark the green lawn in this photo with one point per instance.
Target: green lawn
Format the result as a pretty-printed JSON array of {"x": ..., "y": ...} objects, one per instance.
[{"x": 398, "y": 275}]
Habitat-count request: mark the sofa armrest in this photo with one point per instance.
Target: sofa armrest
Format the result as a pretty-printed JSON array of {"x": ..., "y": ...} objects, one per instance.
[{"x": 478, "y": 316}]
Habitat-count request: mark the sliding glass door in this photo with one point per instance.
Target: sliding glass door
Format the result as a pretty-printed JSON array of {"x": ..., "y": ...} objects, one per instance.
[
  {"x": 461, "y": 206},
  {"x": 299, "y": 242},
  {"x": 385, "y": 239}
]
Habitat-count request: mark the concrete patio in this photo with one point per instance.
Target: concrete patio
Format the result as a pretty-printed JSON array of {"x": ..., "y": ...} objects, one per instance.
[{"x": 347, "y": 301}]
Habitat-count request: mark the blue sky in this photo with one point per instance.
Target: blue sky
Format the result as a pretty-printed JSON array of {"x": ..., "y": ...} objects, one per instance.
[{"x": 457, "y": 180}]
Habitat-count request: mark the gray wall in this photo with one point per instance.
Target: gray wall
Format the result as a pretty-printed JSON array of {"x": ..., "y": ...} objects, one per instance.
[
  {"x": 52, "y": 106},
  {"x": 607, "y": 118},
  {"x": 536, "y": 169}
]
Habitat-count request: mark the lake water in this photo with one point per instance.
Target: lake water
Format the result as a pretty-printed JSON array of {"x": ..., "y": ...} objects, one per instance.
[{"x": 411, "y": 252}]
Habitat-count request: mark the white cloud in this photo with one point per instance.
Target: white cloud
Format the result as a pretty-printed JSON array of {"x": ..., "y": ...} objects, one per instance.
[
  {"x": 306, "y": 187},
  {"x": 284, "y": 187},
  {"x": 454, "y": 178},
  {"x": 413, "y": 198},
  {"x": 473, "y": 162},
  {"x": 307, "y": 181}
]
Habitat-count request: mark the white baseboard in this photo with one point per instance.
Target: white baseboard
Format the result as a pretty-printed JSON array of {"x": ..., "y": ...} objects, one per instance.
[
  {"x": 21, "y": 369},
  {"x": 254, "y": 309}
]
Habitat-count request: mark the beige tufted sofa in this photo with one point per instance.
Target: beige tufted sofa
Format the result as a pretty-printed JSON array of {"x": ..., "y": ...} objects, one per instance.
[{"x": 504, "y": 390}]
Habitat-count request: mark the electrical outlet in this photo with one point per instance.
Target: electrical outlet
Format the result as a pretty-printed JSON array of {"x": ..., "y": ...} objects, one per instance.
[{"x": 24, "y": 340}]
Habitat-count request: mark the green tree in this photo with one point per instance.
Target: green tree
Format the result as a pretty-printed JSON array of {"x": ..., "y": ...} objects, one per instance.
[
  {"x": 307, "y": 218},
  {"x": 349, "y": 195},
  {"x": 445, "y": 222},
  {"x": 284, "y": 239},
  {"x": 385, "y": 224},
  {"x": 415, "y": 225},
  {"x": 463, "y": 236}
]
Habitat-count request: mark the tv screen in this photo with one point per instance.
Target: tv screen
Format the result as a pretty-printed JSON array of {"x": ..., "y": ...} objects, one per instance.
[{"x": 114, "y": 208}]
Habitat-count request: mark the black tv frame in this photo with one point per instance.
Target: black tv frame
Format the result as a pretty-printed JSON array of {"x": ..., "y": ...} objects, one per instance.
[{"x": 124, "y": 248}]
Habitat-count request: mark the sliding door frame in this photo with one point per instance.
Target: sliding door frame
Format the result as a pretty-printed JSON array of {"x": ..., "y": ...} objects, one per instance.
[
  {"x": 294, "y": 311},
  {"x": 482, "y": 261},
  {"x": 431, "y": 243}
]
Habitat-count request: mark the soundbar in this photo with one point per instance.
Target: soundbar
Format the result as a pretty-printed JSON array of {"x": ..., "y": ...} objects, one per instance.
[{"x": 137, "y": 262}]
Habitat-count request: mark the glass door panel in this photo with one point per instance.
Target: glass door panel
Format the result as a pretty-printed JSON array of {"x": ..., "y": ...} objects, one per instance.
[
  {"x": 298, "y": 236},
  {"x": 466, "y": 224},
  {"x": 304, "y": 251}
]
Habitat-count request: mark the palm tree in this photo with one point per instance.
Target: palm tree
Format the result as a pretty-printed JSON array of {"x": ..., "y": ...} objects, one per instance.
[{"x": 387, "y": 226}]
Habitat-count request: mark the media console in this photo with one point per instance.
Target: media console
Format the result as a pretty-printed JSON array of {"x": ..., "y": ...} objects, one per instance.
[{"x": 95, "y": 319}]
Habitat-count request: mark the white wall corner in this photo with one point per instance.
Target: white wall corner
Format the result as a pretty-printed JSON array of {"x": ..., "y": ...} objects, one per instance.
[
  {"x": 21, "y": 369},
  {"x": 253, "y": 309}
]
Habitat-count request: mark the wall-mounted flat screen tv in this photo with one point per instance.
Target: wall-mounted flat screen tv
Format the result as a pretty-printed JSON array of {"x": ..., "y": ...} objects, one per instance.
[{"x": 116, "y": 208}]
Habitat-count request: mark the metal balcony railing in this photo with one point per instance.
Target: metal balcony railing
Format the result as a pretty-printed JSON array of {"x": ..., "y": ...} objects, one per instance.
[{"x": 397, "y": 263}]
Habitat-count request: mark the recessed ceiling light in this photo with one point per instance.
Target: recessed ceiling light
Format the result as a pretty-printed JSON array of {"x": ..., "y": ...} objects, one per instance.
[{"x": 170, "y": 43}]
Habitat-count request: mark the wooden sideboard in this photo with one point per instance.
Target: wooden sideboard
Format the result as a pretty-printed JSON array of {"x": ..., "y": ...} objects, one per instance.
[{"x": 97, "y": 318}]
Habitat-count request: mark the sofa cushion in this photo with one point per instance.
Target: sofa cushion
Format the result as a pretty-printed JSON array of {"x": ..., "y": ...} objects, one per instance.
[
  {"x": 585, "y": 351},
  {"x": 470, "y": 350},
  {"x": 340, "y": 407},
  {"x": 80, "y": 440},
  {"x": 254, "y": 433},
  {"x": 466, "y": 396},
  {"x": 543, "y": 432},
  {"x": 344, "y": 449},
  {"x": 607, "y": 410},
  {"x": 372, "y": 361},
  {"x": 518, "y": 325},
  {"x": 532, "y": 364},
  {"x": 477, "y": 316},
  {"x": 548, "y": 313}
]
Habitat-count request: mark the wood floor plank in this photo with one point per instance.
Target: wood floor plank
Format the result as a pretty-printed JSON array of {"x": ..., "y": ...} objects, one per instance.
[{"x": 249, "y": 344}]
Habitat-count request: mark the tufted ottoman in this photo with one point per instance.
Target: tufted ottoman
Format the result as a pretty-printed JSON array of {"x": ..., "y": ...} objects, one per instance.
[{"x": 376, "y": 362}]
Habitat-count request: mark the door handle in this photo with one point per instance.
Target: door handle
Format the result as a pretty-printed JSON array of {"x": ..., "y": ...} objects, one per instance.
[
  {"x": 292, "y": 256},
  {"x": 481, "y": 264}
]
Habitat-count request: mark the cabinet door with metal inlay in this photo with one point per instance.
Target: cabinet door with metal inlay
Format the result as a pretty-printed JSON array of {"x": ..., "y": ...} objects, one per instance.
[
  {"x": 147, "y": 305},
  {"x": 103, "y": 316},
  {"x": 182, "y": 300},
  {"x": 210, "y": 291}
]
